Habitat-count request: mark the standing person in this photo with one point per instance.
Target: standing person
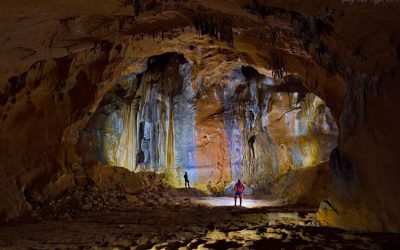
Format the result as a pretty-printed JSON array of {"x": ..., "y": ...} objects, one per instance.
[
  {"x": 238, "y": 189},
  {"x": 186, "y": 180}
]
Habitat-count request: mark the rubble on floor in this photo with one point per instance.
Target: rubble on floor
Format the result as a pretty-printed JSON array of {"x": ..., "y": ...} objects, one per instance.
[
  {"x": 182, "y": 224},
  {"x": 104, "y": 188}
]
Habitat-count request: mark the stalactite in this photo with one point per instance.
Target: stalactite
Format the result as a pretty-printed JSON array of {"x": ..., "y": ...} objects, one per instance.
[
  {"x": 122, "y": 20},
  {"x": 277, "y": 65},
  {"x": 273, "y": 37},
  {"x": 215, "y": 25},
  {"x": 121, "y": 23},
  {"x": 316, "y": 27},
  {"x": 320, "y": 49},
  {"x": 137, "y": 7},
  {"x": 258, "y": 9}
]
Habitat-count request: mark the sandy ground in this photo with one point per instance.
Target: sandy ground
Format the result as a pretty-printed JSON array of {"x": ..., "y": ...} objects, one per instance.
[
  {"x": 187, "y": 223},
  {"x": 229, "y": 201}
]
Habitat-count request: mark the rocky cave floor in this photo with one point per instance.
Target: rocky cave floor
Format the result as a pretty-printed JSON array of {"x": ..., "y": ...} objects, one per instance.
[{"x": 186, "y": 223}]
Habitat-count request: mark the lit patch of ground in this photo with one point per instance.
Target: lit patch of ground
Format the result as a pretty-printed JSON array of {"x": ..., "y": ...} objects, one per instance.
[{"x": 229, "y": 201}]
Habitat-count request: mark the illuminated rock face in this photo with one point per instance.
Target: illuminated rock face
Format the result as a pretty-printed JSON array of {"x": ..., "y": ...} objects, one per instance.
[
  {"x": 135, "y": 125},
  {"x": 161, "y": 120},
  {"x": 184, "y": 129},
  {"x": 61, "y": 57},
  {"x": 272, "y": 133}
]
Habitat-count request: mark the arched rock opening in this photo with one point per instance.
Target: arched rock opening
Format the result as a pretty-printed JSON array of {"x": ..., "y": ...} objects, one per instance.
[
  {"x": 173, "y": 118},
  {"x": 57, "y": 68}
]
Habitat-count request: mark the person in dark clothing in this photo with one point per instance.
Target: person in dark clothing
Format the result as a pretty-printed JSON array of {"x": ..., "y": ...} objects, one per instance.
[{"x": 186, "y": 180}]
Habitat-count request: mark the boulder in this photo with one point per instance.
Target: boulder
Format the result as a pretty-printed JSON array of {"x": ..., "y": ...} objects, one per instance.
[
  {"x": 216, "y": 235},
  {"x": 57, "y": 187},
  {"x": 131, "y": 198},
  {"x": 307, "y": 186},
  {"x": 107, "y": 177}
]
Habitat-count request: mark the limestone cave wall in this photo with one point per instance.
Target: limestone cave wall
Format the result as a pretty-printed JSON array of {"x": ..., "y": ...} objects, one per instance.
[
  {"x": 59, "y": 59},
  {"x": 170, "y": 119}
]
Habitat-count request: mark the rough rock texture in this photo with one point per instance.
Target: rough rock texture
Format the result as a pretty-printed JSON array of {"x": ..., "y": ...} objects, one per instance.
[
  {"x": 59, "y": 58},
  {"x": 304, "y": 186},
  {"x": 100, "y": 188},
  {"x": 183, "y": 224},
  {"x": 218, "y": 127}
]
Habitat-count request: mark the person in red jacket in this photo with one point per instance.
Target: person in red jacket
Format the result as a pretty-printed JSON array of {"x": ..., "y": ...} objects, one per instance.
[{"x": 238, "y": 189}]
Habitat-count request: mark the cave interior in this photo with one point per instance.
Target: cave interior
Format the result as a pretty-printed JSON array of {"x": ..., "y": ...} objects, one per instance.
[{"x": 105, "y": 105}]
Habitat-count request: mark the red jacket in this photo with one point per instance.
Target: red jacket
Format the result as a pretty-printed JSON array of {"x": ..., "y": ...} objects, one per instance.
[{"x": 239, "y": 187}]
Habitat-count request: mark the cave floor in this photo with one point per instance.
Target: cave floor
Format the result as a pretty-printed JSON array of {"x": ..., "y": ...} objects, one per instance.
[
  {"x": 252, "y": 202},
  {"x": 187, "y": 223}
]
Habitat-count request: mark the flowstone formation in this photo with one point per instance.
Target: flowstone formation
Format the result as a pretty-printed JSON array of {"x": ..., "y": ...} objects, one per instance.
[
  {"x": 218, "y": 126},
  {"x": 147, "y": 123},
  {"x": 60, "y": 58}
]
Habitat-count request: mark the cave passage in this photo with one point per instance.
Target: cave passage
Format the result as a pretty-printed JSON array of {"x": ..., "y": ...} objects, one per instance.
[
  {"x": 246, "y": 126},
  {"x": 106, "y": 104}
]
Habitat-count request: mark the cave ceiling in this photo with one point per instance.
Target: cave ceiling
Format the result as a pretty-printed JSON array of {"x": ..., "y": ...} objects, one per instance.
[{"x": 308, "y": 34}]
